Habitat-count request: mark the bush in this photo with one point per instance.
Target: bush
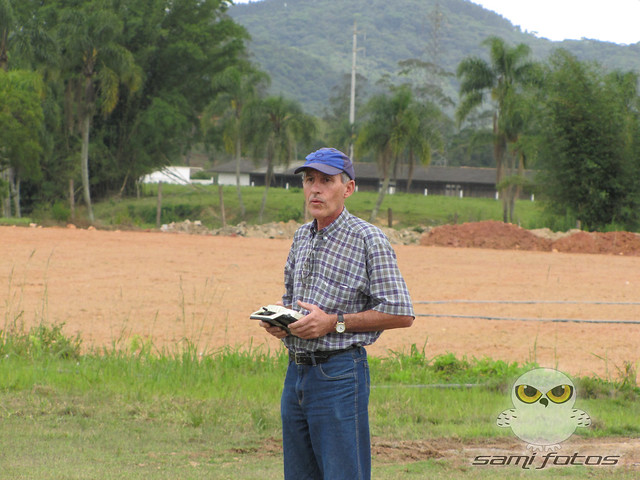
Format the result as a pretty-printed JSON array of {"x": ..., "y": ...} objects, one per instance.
[
  {"x": 289, "y": 212},
  {"x": 60, "y": 212},
  {"x": 40, "y": 341}
]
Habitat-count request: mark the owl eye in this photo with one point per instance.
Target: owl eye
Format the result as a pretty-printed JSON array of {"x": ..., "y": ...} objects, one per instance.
[
  {"x": 560, "y": 394},
  {"x": 527, "y": 393}
]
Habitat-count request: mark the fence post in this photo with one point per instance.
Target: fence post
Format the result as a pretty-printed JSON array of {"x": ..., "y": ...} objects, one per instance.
[
  {"x": 221, "y": 195},
  {"x": 72, "y": 201},
  {"x": 159, "y": 207}
]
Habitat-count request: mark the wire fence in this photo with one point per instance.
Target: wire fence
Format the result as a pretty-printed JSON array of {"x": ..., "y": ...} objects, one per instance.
[
  {"x": 526, "y": 319},
  {"x": 527, "y": 302}
]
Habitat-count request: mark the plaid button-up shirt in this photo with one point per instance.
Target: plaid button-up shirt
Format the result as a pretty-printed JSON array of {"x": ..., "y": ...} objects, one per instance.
[{"x": 347, "y": 267}]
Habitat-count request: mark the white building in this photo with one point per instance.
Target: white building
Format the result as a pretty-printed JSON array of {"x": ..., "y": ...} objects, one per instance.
[
  {"x": 227, "y": 173},
  {"x": 174, "y": 175}
]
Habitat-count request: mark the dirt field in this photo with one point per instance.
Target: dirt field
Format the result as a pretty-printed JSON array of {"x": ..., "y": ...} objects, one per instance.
[{"x": 110, "y": 286}]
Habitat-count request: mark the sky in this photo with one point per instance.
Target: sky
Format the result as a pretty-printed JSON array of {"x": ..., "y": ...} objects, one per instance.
[{"x": 616, "y": 21}]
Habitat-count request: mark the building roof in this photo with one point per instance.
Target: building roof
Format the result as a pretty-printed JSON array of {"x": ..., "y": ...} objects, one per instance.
[
  {"x": 369, "y": 171},
  {"x": 478, "y": 175},
  {"x": 246, "y": 166}
]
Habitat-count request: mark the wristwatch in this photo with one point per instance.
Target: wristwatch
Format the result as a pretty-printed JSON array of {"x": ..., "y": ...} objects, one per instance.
[{"x": 340, "y": 326}]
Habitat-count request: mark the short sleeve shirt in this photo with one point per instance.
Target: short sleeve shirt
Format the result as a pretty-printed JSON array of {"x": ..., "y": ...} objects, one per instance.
[{"x": 347, "y": 267}]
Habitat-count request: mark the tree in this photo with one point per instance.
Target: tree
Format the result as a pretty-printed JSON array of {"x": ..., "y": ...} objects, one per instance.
[
  {"x": 181, "y": 46},
  {"x": 590, "y": 149},
  {"x": 275, "y": 125},
  {"x": 95, "y": 65},
  {"x": 430, "y": 76},
  {"x": 340, "y": 132},
  {"x": 471, "y": 145},
  {"x": 376, "y": 135},
  {"x": 140, "y": 71},
  {"x": 30, "y": 47},
  {"x": 423, "y": 135},
  {"x": 236, "y": 88},
  {"x": 396, "y": 125},
  {"x": 21, "y": 120},
  {"x": 7, "y": 24},
  {"x": 503, "y": 79}
]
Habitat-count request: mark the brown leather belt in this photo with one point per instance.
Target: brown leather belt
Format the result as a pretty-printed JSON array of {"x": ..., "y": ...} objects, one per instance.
[{"x": 314, "y": 358}]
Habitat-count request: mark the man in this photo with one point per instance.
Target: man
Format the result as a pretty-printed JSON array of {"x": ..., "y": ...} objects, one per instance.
[{"x": 341, "y": 273}]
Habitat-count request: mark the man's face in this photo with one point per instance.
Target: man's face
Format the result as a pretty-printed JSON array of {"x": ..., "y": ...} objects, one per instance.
[{"x": 325, "y": 195}]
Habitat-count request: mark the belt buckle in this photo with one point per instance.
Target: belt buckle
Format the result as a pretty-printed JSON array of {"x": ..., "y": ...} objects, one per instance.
[{"x": 298, "y": 358}]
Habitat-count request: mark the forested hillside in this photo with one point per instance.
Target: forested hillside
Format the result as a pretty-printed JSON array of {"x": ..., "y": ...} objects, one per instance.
[{"x": 306, "y": 45}]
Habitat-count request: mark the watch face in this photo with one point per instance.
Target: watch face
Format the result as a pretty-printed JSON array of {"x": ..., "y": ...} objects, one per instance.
[{"x": 340, "y": 327}]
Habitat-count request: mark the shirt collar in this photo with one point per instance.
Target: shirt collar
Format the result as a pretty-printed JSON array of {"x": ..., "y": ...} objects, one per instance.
[{"x": 332, "y": 227}]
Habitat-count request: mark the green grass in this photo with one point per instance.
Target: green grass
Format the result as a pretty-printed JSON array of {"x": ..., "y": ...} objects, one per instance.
[
  {"x": 19, "y": 222},
  {"x": 202, "y": 203},
  {"x": 131, "y": 411}
]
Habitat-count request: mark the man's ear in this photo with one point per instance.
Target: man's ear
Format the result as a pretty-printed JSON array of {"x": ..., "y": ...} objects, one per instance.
[{"x": 351, "y": 187}]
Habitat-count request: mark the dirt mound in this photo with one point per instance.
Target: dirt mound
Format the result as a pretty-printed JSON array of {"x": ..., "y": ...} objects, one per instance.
[
  {"x": 487, "y": 234},
  {"x": 616, "y": 243},
  {"x": 505, "y": 236}
]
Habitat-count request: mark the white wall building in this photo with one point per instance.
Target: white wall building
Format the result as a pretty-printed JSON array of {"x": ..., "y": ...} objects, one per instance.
[{"x": 175, "y": 175}]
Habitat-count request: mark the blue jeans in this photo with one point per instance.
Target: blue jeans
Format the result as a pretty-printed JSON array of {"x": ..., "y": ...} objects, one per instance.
[{"x": 325, "y": 419}]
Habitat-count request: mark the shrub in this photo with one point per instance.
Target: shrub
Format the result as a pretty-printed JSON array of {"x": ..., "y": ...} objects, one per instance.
[{"x": 40, "y": 341}]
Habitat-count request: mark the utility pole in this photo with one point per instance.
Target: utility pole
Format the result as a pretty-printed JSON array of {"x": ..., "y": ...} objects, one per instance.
[{"x": 352, "y": 104}]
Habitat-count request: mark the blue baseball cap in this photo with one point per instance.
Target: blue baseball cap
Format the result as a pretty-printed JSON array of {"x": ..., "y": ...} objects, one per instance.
[{"x": 329, "y": 161}]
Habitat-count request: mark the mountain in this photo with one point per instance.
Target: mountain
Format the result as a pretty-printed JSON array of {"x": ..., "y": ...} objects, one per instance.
[{"x": 306, "y": 45}]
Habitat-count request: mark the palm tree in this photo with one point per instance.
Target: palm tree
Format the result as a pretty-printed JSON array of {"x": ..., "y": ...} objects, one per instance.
[
  {"x": 95, "y": 64},
  {"x": 236, "y": 88},
  {"x": 7, "y": 24},
  {"x": 502, "y": 79},
  {"x": 274, "y": 126},
  {"x": 423, "y": 136},
  {"x": 393, "y": 126}
]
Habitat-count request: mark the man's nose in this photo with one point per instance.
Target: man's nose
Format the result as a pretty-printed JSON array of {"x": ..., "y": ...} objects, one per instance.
[{"x": 316, "y": 185}]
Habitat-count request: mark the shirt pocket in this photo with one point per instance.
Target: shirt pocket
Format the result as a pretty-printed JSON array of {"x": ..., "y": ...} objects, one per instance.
[{"x": 340, "y": 297}]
